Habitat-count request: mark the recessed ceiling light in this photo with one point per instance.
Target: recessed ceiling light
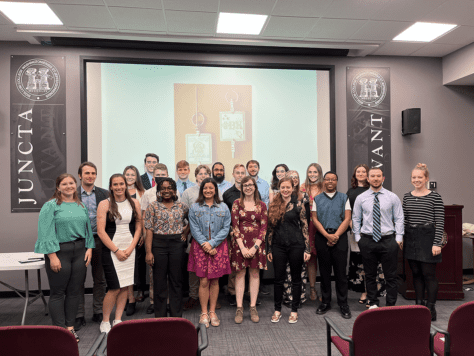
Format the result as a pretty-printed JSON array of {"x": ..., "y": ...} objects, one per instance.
[
  {"x": 240, "y": 24},
  {"x": 424, "y": 32},
  {"x": 27, "y": 13}
]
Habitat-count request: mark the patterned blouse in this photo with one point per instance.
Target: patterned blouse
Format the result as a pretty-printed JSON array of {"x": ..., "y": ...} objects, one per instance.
[{"x": 164, "y": 221}]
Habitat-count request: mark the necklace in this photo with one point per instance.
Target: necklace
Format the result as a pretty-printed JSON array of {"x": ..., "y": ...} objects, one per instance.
[{"x": 131, "y": 187}]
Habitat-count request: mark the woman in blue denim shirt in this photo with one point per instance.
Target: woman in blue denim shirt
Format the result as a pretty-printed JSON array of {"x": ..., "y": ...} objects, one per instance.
[{"x": 209, "y": 219}]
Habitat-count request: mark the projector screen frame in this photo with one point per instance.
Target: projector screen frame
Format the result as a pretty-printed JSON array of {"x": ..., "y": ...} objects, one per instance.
[{"x": 205, "y": 63}]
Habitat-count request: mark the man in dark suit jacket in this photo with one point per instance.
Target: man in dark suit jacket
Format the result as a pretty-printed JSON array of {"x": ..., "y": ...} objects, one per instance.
[
  {"x": 151, "y": 160},
  {"x": 91, "y": 196}
]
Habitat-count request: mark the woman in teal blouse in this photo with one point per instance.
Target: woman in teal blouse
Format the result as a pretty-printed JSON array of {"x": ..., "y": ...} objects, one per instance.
[{"x": 65, "y": 238}]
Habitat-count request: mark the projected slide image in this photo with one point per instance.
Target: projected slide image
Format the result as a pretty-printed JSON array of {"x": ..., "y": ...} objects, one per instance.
[{"x": 213, "y": 123}]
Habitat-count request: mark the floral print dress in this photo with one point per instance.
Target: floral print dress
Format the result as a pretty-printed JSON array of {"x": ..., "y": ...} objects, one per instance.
[{"x": 250, "y": 226}]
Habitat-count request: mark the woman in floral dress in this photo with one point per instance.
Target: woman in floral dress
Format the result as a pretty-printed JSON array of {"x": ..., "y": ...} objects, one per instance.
[{"x": 249, "y": 225}]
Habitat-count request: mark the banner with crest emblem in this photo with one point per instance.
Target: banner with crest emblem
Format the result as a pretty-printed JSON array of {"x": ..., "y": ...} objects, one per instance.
[
  {"x": 37, "y": 129},
  {"x": 368, "y": 120}
]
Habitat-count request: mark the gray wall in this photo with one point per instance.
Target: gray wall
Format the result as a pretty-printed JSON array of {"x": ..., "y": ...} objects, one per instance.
[{"x": 445, "y": 144}]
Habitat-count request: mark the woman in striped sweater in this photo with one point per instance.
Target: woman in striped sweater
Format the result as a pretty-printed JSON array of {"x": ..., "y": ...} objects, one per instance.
[{"x": 424, "y": 226}]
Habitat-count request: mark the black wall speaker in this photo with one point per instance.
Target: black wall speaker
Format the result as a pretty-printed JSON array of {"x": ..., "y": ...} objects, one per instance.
[{"x": 411, "y": 121}]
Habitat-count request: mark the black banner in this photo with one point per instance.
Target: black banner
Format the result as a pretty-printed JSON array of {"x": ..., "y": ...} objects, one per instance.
[
  {"x": 37, "y": 128},
  {"x": 368, "y": 120}
]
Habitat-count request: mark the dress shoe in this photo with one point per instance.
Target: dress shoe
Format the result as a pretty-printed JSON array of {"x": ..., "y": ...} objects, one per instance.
[
  {"x": 190, "y": 303},
  {"x": 131, "y": 308},
  {"x": 150, "y": 309},
  {"x": 232, "y": 300},
  {"x": 431, "y": 307},
  {"x": 97, "y": 318},
  {"x": 323, "y": 308},
  {"x": 346, "y": 312},
  {"x": 264, "y": 289},
  {"x": 79, "y": 323}
]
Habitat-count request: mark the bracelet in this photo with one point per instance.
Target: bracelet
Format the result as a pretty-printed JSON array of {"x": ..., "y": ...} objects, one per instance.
[{"x": 116, "y": 250}]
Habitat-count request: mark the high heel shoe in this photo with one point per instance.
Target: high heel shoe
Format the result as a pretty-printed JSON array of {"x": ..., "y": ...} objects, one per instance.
[
  {"x": 214, "y": 320},
  {"x": 204, "y": 319}
]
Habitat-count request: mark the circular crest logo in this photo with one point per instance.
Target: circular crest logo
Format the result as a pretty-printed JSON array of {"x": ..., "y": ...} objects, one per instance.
[
  {"x": 37, "y": 79},
  {"x": 368, "y": 89}
]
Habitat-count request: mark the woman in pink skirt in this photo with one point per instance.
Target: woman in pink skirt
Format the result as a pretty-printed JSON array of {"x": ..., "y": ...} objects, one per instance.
[
  {"x": 209, "y": 219},
  {"x": 249, "y": 226}
]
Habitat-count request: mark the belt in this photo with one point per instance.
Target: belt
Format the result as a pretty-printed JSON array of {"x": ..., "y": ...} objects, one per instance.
[
  {"x": 331, "y": 231},
  {"x": 420, "y": 226},
  {"x": 383, "y": 237},
  {"x": 78, "y": 239}
]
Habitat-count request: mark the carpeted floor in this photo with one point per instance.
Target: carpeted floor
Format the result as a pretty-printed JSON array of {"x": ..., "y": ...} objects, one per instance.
[{"x": 307, "y": 337}]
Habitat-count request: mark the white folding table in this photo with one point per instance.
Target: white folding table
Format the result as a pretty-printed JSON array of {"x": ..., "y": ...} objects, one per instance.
[{"x": 9, "y": 262}]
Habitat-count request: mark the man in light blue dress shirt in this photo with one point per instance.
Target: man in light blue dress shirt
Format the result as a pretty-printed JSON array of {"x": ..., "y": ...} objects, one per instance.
[
  {"x": 218, "y": 173},
  {"x": 379, "y": 238},
  {"x": 253, "y": 167},
  {"x": 183, "y": 182}
]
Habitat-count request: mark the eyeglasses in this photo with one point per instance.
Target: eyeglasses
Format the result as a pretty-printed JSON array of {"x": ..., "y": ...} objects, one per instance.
[
  {"x": 330, "y": 180},
  {"x": 248, "y": 185}
]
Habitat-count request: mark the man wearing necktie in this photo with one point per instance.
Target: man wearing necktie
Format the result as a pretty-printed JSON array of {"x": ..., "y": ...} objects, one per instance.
[
  {"x": 183, "y": 182},
  {"x": 378, "y": 226}
]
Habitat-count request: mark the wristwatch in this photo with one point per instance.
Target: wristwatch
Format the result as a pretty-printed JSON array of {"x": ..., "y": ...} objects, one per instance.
[{"x": 256, "y": 247}]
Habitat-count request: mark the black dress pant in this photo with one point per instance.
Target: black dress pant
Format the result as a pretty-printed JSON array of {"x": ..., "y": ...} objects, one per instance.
[
  {"x": 329, "y": 258},
  {"x": 384, "y": 251},
  {"x": 66, "y": 285},
  {"x": 140, "y": 268},
  {"x": 168, "y": 252},
  {"x": 281, "y": 255}
]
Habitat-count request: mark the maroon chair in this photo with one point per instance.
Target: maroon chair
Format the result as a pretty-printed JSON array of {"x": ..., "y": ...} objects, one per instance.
[
  {"x": 162, "y": 336},
  {"x": 37, "y": 341},
  {"x": 387, "y": 331},
  {"x": 459, "y": 338}
]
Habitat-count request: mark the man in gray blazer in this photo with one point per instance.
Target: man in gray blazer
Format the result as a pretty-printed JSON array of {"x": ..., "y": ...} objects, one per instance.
[{"x": 91, "y": 196}]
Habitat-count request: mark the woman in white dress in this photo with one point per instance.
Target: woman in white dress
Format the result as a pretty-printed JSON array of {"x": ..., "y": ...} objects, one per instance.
[{"x": 119, "y": 227}]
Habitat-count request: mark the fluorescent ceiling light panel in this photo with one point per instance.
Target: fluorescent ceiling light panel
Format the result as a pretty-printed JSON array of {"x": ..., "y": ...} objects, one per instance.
[
  {"x": 240, "y": 24},
  {"x": 424, "y": 32},
  {"x": 27, "y": 13}
]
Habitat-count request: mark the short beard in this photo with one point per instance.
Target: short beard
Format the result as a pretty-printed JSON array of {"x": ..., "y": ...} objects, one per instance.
[{"x": 219, "y": 180}]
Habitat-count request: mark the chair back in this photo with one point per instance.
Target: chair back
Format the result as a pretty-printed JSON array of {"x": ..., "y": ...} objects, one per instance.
[
  {"x": 393, "y": 331},
  {"x": 461, "y": 330},
  {"x": 37, "y": 341},
  {"x": 163, "y": 336}
]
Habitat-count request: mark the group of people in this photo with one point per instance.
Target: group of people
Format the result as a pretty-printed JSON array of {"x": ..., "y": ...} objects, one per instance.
[{"x": 195, "y": 233}]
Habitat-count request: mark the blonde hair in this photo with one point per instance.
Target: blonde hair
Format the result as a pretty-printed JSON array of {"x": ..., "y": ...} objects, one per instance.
[{"x": 424, "y": 168}]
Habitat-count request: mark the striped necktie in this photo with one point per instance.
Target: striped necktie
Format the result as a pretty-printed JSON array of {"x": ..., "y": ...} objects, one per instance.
[{"x": 377, "y": 233}]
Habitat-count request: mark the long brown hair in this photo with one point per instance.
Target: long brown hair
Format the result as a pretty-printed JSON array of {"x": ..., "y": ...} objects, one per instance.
[
  {"x": 138, "y": 181},
  {"x": 113, "y": 208},
  {"x": 256, "y": 197},
  {"x": 57, "y": 194},
  {"x": 201, "y": 200},
  {"x": 319, "y": 181},
  {"x": 354, "y": 181},
  {"x": 277, "y": 208}
]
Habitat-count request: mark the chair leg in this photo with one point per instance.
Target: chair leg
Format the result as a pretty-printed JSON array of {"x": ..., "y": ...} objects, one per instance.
[{"x": 328, "y": 332}]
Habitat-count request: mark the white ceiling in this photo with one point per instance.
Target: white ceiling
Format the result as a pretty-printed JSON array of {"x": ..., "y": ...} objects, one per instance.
[{"x": 363, "y": 26}]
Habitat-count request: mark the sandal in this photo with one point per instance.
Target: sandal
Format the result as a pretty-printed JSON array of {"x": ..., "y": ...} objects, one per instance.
[
  {"x": 293, "y": 319},
  {"x": 276, "y": 317},
  {"x": 214, "y": 320},
  {"x": 204, "y": 319}
]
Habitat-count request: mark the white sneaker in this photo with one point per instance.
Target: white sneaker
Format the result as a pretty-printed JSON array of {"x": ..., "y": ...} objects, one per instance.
[
  {"x": 115, "y": 322},
  {"x": 105, "y": 327},
  {"x": 375, "y": 306}
]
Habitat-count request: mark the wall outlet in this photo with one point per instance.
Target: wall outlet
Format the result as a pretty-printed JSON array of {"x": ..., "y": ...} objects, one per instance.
[{"x": 432, "y": 185}]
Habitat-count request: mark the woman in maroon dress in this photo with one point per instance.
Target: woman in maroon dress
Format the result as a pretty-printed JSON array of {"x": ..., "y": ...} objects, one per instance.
[{"x": 249, "y": 225}]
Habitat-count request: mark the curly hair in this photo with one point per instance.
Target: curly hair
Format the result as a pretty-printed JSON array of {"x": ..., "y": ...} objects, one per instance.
[
  {"x": 274, "y": 176},
  {"x": 277, "y": 208},
  {"x": 354, "y": 181},
  {"x": 172, "y": 183}
]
